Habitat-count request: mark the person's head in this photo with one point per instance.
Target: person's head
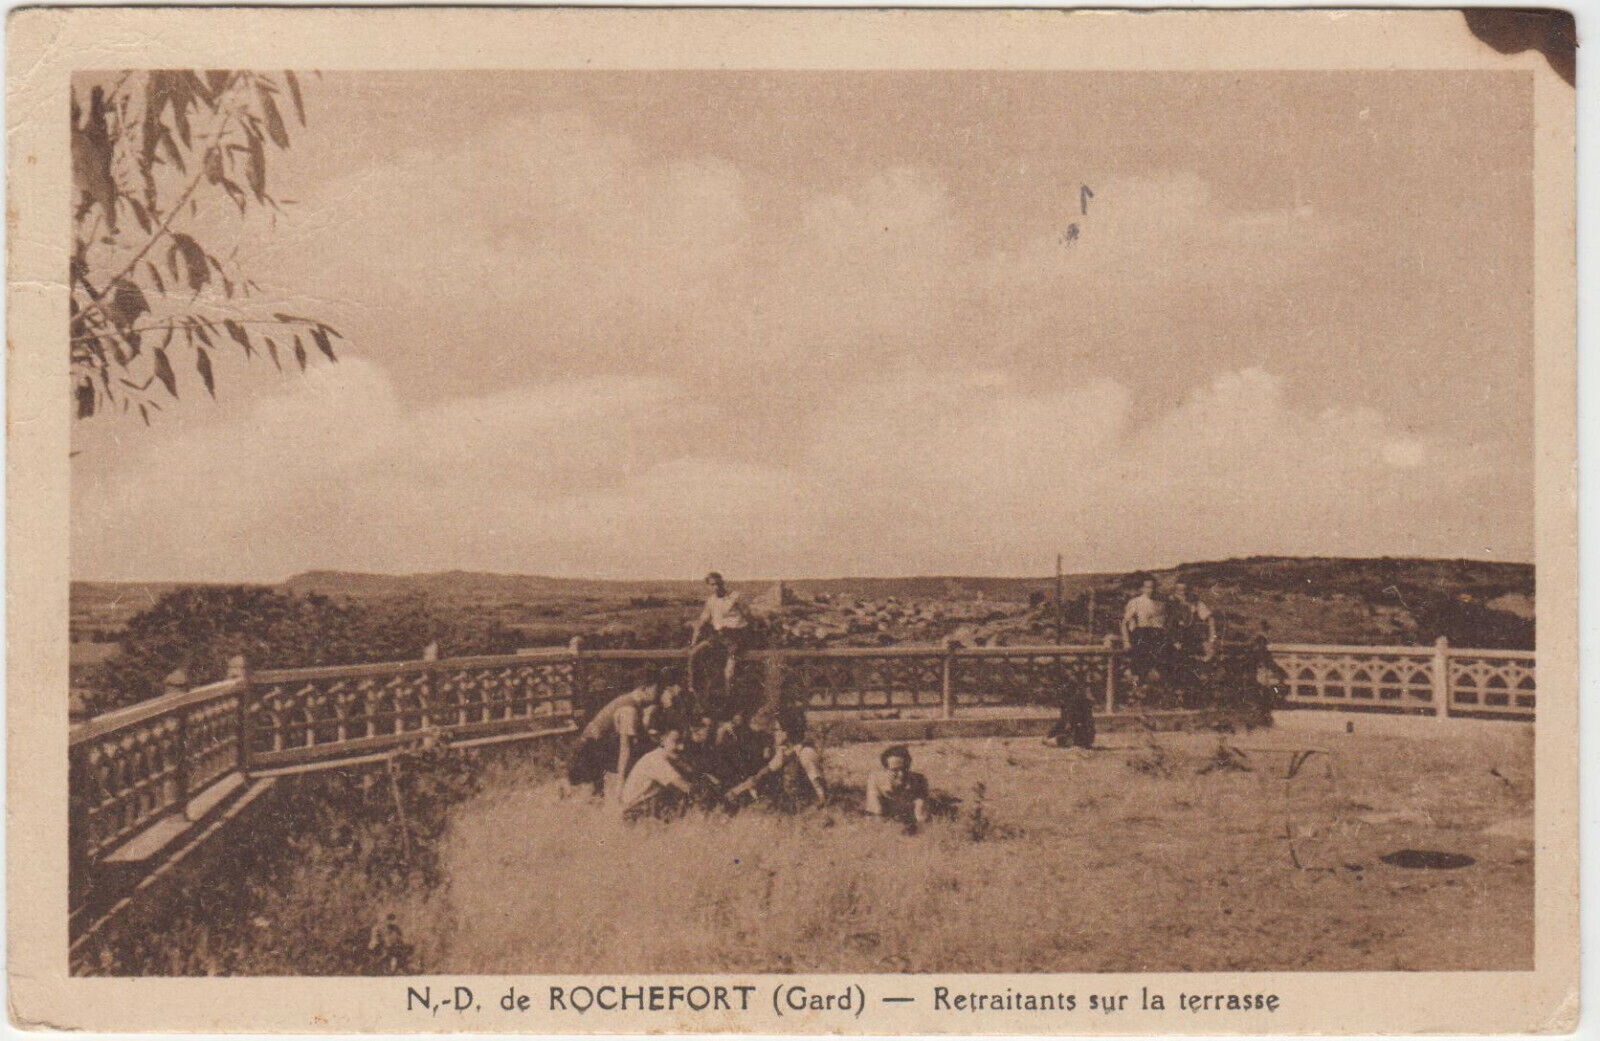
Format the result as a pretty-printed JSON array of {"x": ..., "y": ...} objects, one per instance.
[
  {"x": 672, "y": 742},
  {"x": 700, "y": 731},
  {"x": 714, "y": 580},
  {"x": 1147, "y": 585},
  {"x": 897, "y": 760},
  {"x": 1180, "y": 590}
]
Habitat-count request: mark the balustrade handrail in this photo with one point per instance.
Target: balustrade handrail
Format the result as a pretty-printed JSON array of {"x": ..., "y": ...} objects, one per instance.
[{"x": 132, "y": 715}]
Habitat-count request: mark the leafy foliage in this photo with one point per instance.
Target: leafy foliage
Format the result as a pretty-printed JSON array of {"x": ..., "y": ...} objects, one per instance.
[
  {"x": 324, "y": 880},
  {"x": 198, "y": 628},
  {"x": 153, "y": 153}
]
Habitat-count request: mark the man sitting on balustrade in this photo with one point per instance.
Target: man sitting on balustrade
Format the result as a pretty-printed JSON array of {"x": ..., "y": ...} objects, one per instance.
[
  {"x": 617, "y": 736},
  {"x": 724, "y": 629}
]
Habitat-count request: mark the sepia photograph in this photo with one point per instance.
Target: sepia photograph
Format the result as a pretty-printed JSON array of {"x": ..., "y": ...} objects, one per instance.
[{"x": 1016, "y": 528}]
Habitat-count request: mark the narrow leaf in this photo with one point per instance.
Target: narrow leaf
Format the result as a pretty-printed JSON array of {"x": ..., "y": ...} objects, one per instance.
[
  {"x": 272, "y": 349},
  {"x": 321, "y": 337},
  {"x": 275, "y": 127},
  {"x": 294, "y": 93},
  {"x": 236, "y": 331},
  {"x": 300, "y": 353},
  {"x": 164, "y": 372},
  {"x": 255, "y": 169},
  {"x": 194, "y": 258},
  {"x": 85, "y": 396},
  {"x": 202, "y": 364}
]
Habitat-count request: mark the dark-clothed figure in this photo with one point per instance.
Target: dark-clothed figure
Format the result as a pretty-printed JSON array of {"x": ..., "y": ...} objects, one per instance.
[
  {"x": 792, "y": 772},
  {"x": 1074, "y": 728}
]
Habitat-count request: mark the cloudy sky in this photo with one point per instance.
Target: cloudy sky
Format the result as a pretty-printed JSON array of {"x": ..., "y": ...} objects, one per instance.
[{"x": 807, "y": 324}]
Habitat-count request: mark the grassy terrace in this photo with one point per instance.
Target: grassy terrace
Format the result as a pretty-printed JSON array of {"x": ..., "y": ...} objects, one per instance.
[
  {"x": 1149, "y": 853},
  {"x": 1126, "y": 858}
]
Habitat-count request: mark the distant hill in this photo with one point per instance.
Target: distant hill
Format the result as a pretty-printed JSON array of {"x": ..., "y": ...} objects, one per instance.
[{"x": 1311, "y": 599}]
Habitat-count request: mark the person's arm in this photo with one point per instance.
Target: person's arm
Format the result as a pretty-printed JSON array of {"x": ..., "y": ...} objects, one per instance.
[
  {"x": 919, "y": 800},
  {"x": 874, "y": 800},
  {"x": 1127, "y": 620},
  {"x": 768, "y": 768},
  {"x": 627, "y": 723},
  {"x": 811, "y": 762}
]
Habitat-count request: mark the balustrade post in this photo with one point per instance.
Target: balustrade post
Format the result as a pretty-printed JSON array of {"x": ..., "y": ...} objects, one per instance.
[
  {"x": 772, "y": 686},
  {"x": 177, "y": 682},
  {"x": 1441, "y": 678},
  {"x": 1111, "y": 673},
  {"x": 241, "y": 752},
  {"x": 577, "y": 708},
  {"x": 947, "y": 696}
]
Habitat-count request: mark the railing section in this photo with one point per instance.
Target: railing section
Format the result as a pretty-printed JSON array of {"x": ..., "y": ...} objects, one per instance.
[
  {"x": 132, "y": 767},
  {"x": 1440, "y": 680},
  {"x": 297, "y": 716},
  {"x": 129, "y": 768}
]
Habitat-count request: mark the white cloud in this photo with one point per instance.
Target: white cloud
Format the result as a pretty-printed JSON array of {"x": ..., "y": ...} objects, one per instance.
[{"x": 956, "y": 470}]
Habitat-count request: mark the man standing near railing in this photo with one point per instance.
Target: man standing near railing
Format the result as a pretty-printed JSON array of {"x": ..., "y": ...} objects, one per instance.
[
  {"x": 1193, "y": 629},
  {"x": 1144, "y": 632}
]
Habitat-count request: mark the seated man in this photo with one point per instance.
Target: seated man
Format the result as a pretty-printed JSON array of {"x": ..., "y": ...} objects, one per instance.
[
  {"x": 789, "y": 758},
  {"x": 1074, "y": 727},
  {"x": 700, "y": 751},
  {"x": 662, "y": 782},
  {"x": 896, "y": 792},
  {"x": 613, "y": 739},
  {"x": 740, "y": 748}
]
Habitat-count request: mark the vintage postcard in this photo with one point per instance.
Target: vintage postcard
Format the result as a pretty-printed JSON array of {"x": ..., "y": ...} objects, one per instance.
[{"x": 888, "y": 522}]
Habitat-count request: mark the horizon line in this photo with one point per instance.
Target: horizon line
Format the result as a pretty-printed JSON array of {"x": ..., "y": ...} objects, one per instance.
[{"x": 1047, "y": 576}]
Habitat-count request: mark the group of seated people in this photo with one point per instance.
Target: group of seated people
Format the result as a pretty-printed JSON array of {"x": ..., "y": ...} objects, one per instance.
[{"x": 669, "y": 757}]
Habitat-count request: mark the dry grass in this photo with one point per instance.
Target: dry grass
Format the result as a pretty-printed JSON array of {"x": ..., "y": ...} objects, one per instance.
[{"x": 1127, "y": 858}]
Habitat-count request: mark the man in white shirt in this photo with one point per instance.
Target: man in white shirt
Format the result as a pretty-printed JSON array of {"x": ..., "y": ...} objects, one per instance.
[
  {"x": 1144, "y": 632},
  {"x": 661, "y": 782},
  {"x": 723, "y": 626}
]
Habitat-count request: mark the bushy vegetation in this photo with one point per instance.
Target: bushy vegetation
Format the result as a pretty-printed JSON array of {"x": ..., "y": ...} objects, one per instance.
[
  {"x": 322, "y": 879},
  {"x": 199, "y": 628}
]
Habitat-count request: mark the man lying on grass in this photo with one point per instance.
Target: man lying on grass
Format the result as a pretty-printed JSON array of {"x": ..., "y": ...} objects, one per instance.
[{"x": 896, "y": 792}]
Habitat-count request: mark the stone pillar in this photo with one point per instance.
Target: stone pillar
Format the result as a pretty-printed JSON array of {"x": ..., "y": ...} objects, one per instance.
[
  {"x": 1111, "y": 672},
  {"x": 1441, "y": 678}
]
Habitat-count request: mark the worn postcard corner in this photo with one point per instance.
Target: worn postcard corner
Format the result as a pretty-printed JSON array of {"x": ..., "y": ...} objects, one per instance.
[{"x": 786, "y": 522}]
